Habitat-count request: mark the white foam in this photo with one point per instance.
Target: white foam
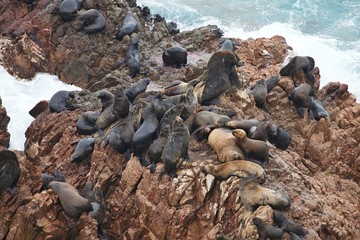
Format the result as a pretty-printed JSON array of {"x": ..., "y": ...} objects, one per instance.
[{"x": 20, "y": 96}]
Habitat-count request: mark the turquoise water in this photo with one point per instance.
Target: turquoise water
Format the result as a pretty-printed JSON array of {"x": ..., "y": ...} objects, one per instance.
[{"x": 329, "y": 31}]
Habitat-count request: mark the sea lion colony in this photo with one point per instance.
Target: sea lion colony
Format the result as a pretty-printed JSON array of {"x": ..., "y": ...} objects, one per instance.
[{"x": 133, "y": 121}]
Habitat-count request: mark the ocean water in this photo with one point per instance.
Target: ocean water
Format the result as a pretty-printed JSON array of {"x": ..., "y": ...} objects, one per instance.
[{"x": 327, "y": 30}]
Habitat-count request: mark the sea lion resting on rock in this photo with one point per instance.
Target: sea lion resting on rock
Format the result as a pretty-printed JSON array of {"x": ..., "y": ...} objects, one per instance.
[
  {"x": 267, "y": 231},
  {"x": 59, "y": 101},
  {"x": 245, "y": 124},
  {"x": 206, "y": 118},
  {"x": 297, "y": 63},
  {"x": 68, "y": 8},
  {"x": 288, "y": 225},
  {"x": 178, "y": 87},
  {"x": 9, "y": 171},
  {"x": 259, "y": 92},
  {"x": 157, "y": 146},
  {"x": 301, "y": 97},
  {"x": 254, "y": 195},
  {"x": 106, "y": 98},
  {"x": 317, "y": 110},
  {"x": 46, "y": 179},
  {"x": 83, "y": 149},
  {"x": 175, "y": 56},
  {"x": 224, "y": 144},
  {"x": 86, "y": 123},
  {"x": 219, "y": 110},
  {"x": 137, "y": 88},
  {"x": 71, "y": 201},
  {"x": 260, "y": 132},
  {"x": 129, "y": 26},
  {"x": 239, "y": 168},
  {"x": 271, "y": 82},
  {"x": 133, "y": 56},
  {"x": 279, "y": 137},
  {"x": 92, "y": 21}
]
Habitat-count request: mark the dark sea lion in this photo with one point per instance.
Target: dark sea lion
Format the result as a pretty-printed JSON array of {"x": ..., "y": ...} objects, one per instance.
[
  {"x": 271, "y": 82},
  {"x": 288, "y": 225},
  {"x": 245, "y": 124},
  {"x": 68, "y": 9},
  {"x": 204, "y": 118},
  {"x": 293, "y": 236},
  {"x": 301, "y": 97},
  {"x": 46, "y": 179},
  {"x": 172, "y": 28},
  {"x": 297, "y": 63},
  {"x": 83, "y": 149},
  {"x": 128, "y": 26},
  {"x": 9, "y": 171},
  {"x": 145, "y": 134},
  {"x": 279, "y": 137},
  {"x": 239, "y": 168},
  {"x": 260, "y": 132},
  {"x": 219, "y": 110},
  {"x": 115, "y": 140},
  {"x": 224, "y": 144},
  {"x": 137, "y": 88},
  {"x": 259, "y": 92},
  {"x": 254, "y": 149},
  {"x": 253, "y": 195},
  {"x": 157, "y": 146},
  {"x": 159, "y": 106},
  {"x": 227, "y": 45},
  {"x": 58, "y": 101},
  {"x": 220, "y": 74},
  {"x": 133, "y": 56},
  {"x": 92, "y": 21},
  {"x": 175, "y": 56},
  {"x": 317, "y": 110},
  {"x": 71, "y": 201},
  {"x": 178, "y": 87},
  {"x": 170, "y": 115},
  {"x": 106, "y": 98},
  {"x": 121, "y": 103},
  {"x": 86, "y": 123},
  {"x": 129, "y": 125},
  {"x": 176, "y": 148},
  {"x": 267, "y": 231},
  {"x": 191, "y": 103}
]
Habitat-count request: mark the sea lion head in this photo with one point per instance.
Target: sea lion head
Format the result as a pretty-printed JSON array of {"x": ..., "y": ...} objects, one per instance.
[{"x": 239, "y": 133}]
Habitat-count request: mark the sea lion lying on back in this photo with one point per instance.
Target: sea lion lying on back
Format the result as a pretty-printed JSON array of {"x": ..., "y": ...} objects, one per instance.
[{"x": 297, "y": 63}]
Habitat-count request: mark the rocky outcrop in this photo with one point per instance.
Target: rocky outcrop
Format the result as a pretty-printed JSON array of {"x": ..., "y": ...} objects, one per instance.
[
  {"x": 4, "y": 121},
  {"x": 319, "y": 171}
]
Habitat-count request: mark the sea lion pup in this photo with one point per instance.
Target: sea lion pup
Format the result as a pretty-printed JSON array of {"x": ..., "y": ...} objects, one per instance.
[
  {"x": 176, "y": 148},
  {"x": 224, "y": 144},
  {"x": 133, "y": 56},
  {"x": 68, "y": 9},
  {"x": 83, "y": 149},
  {"x": 106, "y": 98},
  {"x": 271, "y": 82},
  {"x": 297, "y": 63},
  {"x": 206, "y": 118},
  {"x": 245, "y": 124},
  {"x": 9, "y": 171},
  {"x": 220, "y": 75},
  {"x": 178, "y": 87},
  {"x": 58, "y": 101},
  {"x": 71, "y": 201},
  {"x": 92, "y": 21},
  {"x": 137, "y": 88},
  {"x": 219, "y": 110},
  {"x": 279, "y": 137},
  {"x": 172, "y": 28},
  {"x": 176, "y": 55},
  {"x": 86, "y": 123},
  {"x": 157, "y": 146},
  {"x": 317, "y": 110},
  {"x": 121, "y": 103},
  {"x": 260, "y": 132},
  {"x": 239, "y": 168},
  {"x": 259, "y": 92},
  {"x": 128, "y": 26},
  {"x": 145, "y": 134},
  {"x": 253, "y": 195},
  {"x": 288, "y": 225},
  {"x": 46, "y": 179},
  {"x": 301, "y": 97},
  {"x": 267, "y": 231},
  {"x": 254, "y": 149}
]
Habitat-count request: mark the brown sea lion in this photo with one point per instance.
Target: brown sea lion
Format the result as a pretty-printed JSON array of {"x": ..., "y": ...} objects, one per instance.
[
  {"x": 71, "y": 201},
  {"x": 106, "y": 98},
  {"x": 253, "y": 195},
  {"x": 267, "y": 231},
  {"x": 206, "y": 118},
  {"x": 92, "y": 21},
  {"x": 297, "y": 63},
  {"x": 68, "y": 9},
  {"x": 83, "y": 149},
  {"x": 121, "y": 103},
  {"x": 260, "y": 132},
  {"x": 254, "y": 149},
  {"x": 157, "y": 146},
  {"x": 128, "y": 26},
  {"x": 301, "y": 97},
  {"x": 288, "y": 225},
  {"x": 219, "y": 110},
  {"x": 170, "y": 115},
  {"x": 224, "y": 144},
  {"x": 59, "y": 101},
  {"x": 245, "y": 124},
  {"x": 317, "y": 109},
  {"x": 46, "y": 179},
  {"x": 133, "y": 56},
  {"x": 9, "y": 171},
  {"x": 176, "y": 55},
  {"x": 259, "y": 92},
  {"x": 271, "y": 82},
  {"x": 178, "y": 87},
  {"x": 137, "y": 88},
  {"x": 279, "y": 137},
  {"x": 239, "y": 168},
  {"x": 86, "y": 123}
]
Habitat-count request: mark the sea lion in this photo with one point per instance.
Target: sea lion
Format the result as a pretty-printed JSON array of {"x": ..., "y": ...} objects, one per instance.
[
  {"x": 121, "y": 103},
  {"x": 9, "y": 171},
  {"x": 157, "y": 146},
  {"x": 271, "y": 82},
  {"x": 206, "y": 118},
  {"x": 68, "y": 9},
  {"x": 267, "y": 231},
  {"x": 297, "y": 63},
  {"x": 219, "y": 110},
  {"x": 86, "y": 123},
  {"x": 133, "y": 56},
  {"x": 259, "y": 92},
  {"x": 260, "y": 132},
  {"x": 172, "y": 28},
  {"x": 293, "y": 236},
  {"x": 170, "y": 115},
  {"x": 106, "y": 98},
  {"x": 146, "y": 133},
  {"x": 178, "y": 87},
  {"x": 46, "y": 179},
  {"x": 191, "y": 103},
  {"x": 221, "y": 73},
  {"x": 58, "y": 101},
  {"x": 83, "y": 149},
  {"x": 288, "y": 225},
  {"x": 301, "y": 97},
  {"x": 227, "y": 45},
  {"x": 159, "y": 106},
  {"x": 115, "y": 140},
  {"x": 128, "y": 26},
  {"x": 239, "y": 168},
  {"x": 224, "y": 144},
  {"x": 71, "y": 201},
  {"x": 245, "y": 124},
  {"x": 175, "y": 56},
  {"x": 317, "y": 109},
  {"x": 254, "y": 149},
  {"x": 137, "y": 88},
  {"x": 279, "y": 137},
  {"x": 92, "y": 21},
  {"x": 176, "y": 148},
  {"x": 253, "y": 195}
]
